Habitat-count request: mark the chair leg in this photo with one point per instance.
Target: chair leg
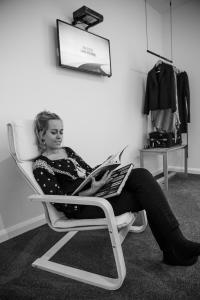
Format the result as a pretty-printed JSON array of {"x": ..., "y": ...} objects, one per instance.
[
  {"x": 141, "y": 228},
  {"x": 44, "y": 263},
  {"x": 125, "y": 230}
]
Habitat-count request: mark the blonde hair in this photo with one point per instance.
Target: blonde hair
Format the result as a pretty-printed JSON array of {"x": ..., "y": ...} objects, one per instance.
[{"x": 41, "y": 126}]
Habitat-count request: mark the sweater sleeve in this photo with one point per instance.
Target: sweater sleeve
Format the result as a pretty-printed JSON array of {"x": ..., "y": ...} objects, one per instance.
[{"x": 46, "y": 178}]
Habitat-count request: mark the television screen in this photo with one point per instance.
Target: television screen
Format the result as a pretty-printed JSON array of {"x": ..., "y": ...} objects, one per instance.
[{"x": 82, "y": 50}]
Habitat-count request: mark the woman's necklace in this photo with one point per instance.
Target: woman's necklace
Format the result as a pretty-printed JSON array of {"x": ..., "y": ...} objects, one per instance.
[
  {"x": 56, "y": 155},
  {"x": 80, "y": 171}
]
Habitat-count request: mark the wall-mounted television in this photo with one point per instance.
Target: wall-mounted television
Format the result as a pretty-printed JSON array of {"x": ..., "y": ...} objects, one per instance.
[{"x": 82, "y": 50}]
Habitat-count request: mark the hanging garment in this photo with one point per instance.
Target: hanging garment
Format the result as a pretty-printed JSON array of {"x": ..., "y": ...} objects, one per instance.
[
  {"x": 183, "y": 91},
  {"x": 165, "y": 120},
  {"x": 160, "y": 89}
]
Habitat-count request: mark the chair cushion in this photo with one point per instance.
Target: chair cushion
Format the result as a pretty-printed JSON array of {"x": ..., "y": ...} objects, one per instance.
[
  {"x": 24, "y": 140},
  {"x": 121, "y": 221}
]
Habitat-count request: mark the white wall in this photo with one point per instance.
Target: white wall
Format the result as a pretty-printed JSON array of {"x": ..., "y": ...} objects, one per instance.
[
  {"x": 101, "y": 115},
  {"x": 154, "y": 30},
  {"x": 186, "y": 49}
]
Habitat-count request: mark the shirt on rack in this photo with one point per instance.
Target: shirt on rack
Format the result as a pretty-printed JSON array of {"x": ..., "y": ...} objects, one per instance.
[{"x": 164, "y": 120}]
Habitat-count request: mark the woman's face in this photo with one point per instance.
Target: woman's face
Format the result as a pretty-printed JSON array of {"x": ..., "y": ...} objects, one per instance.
[{"x": 54, "y": 134}]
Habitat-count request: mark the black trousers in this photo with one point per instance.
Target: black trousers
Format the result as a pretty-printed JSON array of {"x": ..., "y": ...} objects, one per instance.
[{"x": 141, "y": 191}]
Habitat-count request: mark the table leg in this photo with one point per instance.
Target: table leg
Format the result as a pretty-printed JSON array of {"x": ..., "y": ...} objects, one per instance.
[
  {"x": 141, "y": 160},
  {"x": 186, "y": 160},
  {"x": 165, "y": 170}
]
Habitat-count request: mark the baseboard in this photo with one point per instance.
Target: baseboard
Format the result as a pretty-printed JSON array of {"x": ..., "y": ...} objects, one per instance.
[
  {"x": 178, "y": 169},
  {"x": 181, "y": 169},
  {"x": 10, "y": 232},
  {"x": 172, "y": 170},
  {"x": 154, "y": 173}
]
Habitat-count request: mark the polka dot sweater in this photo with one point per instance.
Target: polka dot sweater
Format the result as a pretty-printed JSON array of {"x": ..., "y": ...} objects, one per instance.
[{"x": 61, "y": 177}]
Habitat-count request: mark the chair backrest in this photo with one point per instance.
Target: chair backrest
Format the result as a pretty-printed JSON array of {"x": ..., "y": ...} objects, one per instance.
[{"x": 23, "y": 149}]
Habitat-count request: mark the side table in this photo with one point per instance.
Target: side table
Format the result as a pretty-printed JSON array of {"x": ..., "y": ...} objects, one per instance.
[{"x": 164, "y": 152}]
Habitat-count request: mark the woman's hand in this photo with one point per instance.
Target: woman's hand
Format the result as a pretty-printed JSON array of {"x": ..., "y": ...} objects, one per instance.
[{"x": 96, "y": 184}]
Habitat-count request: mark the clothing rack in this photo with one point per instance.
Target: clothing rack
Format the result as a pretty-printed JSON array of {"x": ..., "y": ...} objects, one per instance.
[
  {"x": 164, "y": 58},
  {"x": 177, "y": 71}
]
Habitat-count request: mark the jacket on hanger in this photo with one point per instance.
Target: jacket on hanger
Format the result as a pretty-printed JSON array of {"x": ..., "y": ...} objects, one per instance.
[
  {"x": 183, "y": 100},
  {"x": 160, "y": 89}
]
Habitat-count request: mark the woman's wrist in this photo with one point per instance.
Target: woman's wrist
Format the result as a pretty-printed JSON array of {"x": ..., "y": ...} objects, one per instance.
[{"x": 88, "y": 192}]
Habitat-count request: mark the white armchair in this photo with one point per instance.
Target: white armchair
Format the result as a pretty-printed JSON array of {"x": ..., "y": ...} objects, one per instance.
[{"x": 23, "y": 149}]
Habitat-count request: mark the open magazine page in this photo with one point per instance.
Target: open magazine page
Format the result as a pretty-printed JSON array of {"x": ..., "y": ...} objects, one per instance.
[
  {"x": 109, "y": 164},
  {"x": 97, "y": 173},
  {"x": 115, "y": 158},
  {"x": 117, "y": 182}
]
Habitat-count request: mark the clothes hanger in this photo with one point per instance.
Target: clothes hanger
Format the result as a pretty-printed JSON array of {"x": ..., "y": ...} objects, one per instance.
[
  {"x": 159, "y": 62},
  {"x": 157, "y": 65},
  {"x": 176, "y": 70}
]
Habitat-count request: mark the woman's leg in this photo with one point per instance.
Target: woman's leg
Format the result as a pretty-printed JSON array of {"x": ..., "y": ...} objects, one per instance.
[
  {"x": 142, "y": 191},
  {"x": 149, "y": 195},
  {"x": 164, "y": 225},
  {"x": 120, "y": 204}
]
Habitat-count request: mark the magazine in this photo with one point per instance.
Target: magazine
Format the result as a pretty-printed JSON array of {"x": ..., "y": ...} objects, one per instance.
[
  {"x": 117, "y": 182},
  {"x": 117, "y": 177}
]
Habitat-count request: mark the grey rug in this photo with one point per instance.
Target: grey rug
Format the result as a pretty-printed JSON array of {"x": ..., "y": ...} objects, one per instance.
[{"x": 147, "y": 277}]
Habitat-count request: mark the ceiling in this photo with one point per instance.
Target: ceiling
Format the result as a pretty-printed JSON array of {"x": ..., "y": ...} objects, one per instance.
[{"x": 163, "y": 5}]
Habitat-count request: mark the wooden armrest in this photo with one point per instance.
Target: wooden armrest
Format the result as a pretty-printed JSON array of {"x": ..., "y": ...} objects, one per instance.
[{"x": 94, "y": 201}]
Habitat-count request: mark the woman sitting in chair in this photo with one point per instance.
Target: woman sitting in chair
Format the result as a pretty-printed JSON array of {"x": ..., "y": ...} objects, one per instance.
[{"x": 59, "y": 171}]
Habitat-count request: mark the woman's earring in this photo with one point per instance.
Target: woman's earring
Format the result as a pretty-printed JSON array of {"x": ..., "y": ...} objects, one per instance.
[{"x": 43, "y": 144}]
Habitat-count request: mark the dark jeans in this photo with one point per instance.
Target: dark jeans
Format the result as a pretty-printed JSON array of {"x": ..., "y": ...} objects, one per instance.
[{"x": 141, "y": 191}]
